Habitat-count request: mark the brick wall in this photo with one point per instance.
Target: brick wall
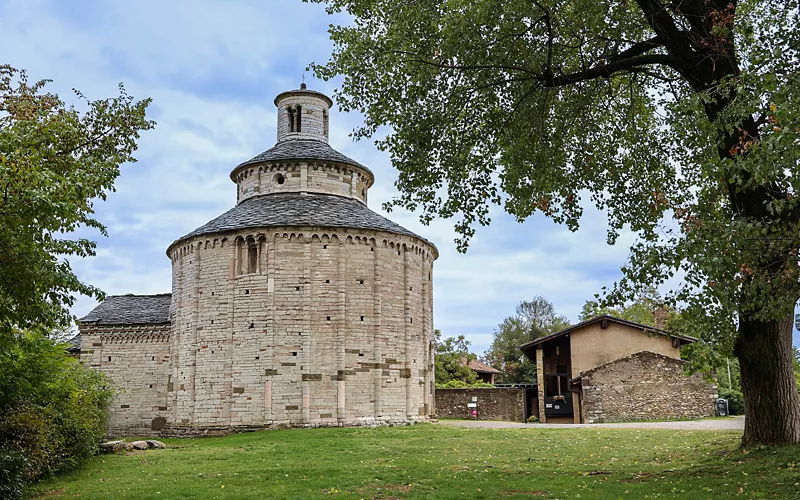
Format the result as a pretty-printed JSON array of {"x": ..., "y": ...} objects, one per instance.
[
  {"x": 507, "y": 404},
  {"x": 644, "y": 386}
]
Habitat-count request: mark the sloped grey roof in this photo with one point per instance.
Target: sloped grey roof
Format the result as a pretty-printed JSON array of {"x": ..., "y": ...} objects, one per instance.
[
  {"x": 685, "y": 339},
  {"x": 294, "y": 209},
  {"x": 302, "y": 149},
  {"x": 74, "y": 344},
  {"x": 131, "y": 310}
]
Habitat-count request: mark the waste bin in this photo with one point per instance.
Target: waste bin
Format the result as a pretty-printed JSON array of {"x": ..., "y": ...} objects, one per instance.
[{"x": 722, "y": 407}]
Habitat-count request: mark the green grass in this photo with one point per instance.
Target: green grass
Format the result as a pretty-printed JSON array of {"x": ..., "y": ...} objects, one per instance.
[{"x": 429, "y": 461}]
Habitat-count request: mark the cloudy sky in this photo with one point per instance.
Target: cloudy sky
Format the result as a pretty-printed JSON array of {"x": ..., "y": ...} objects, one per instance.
[{"x": 212, "y": 69}]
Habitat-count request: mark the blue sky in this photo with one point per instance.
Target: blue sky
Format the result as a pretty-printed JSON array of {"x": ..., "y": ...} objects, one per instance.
[{"x": 213, "y": 69}]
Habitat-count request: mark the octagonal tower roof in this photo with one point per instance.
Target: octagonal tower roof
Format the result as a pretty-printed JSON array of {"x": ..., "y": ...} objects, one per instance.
[{"x": 302, "y": 180}]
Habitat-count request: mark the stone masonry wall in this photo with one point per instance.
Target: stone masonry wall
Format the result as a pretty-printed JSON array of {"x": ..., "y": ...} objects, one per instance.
[
  {"x": 314, "y": 120},
  {"x": 644, "y": 386},
  {"x": 506, "y": 404},
  {"x": 331, "y": 327},
  {"x": 304, "y": 177},
  {"x": 136, "y": 359}
]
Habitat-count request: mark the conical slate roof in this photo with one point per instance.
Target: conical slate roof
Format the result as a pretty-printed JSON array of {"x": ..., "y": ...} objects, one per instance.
[
  {"x": 293, "y": 209},
  {"x": 302, "y": 149}
]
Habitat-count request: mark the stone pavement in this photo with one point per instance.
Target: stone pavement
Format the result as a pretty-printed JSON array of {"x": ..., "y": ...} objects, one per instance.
[{"x": 715, "y": 424}]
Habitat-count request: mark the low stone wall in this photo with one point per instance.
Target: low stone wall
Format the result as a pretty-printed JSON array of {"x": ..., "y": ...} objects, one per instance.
[
  {"x": 506, "y": 404},
  {"x": 644, "y": 386}
]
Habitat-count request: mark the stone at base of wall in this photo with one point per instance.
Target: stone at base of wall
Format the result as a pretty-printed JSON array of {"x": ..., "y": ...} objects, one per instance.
[{"x": 225, "y": 430}]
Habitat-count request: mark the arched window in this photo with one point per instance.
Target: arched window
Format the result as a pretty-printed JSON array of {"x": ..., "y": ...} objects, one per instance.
[
  {"x": 252, "y": 259},
  {"x": 290, "y": 112},
  {"x": 325, "y": 123},
  {"x": 299, "y": 116},
  {"x": 251, "y": 255}
]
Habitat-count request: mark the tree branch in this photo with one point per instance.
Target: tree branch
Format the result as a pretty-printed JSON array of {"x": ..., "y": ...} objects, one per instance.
[{"x": 606, "y": 70}]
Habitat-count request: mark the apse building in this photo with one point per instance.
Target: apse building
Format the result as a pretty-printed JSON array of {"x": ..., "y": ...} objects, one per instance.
[{"x": 299, "y": 306}]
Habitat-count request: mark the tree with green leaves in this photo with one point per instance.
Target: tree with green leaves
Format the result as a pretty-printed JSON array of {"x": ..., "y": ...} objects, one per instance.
[
  {"x": 450, "y": 361},
  {"x": 533, "y": 319},
  {"x": 641, "y": 309},
  {"x": 54, "y": 163},
  {"x": 679, "y": 120}
]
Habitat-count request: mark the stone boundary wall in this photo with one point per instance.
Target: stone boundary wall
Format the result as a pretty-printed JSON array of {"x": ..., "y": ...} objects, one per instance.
[
  {"x": 505, "y": 404},
  {"x": 644, "y": 386}
]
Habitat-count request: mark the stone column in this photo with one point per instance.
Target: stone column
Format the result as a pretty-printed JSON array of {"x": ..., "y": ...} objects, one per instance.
[
  {"x": 376, "y": 340},
  {"x": 271, "y": 249},
  {"x": 341, "y": 413},
  {"x": 175, "y": 341},
  {"x": 227, "y": 370},
  {"x": 540, "y": 382},
  {"x": 407, "y": 331},
  {"x": 305, "y": 354},
  {"x": 426, "y": 336},
  {"x": 192, "y": 368}
]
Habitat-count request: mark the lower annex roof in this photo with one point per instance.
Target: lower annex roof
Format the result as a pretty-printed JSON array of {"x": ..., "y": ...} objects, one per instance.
[{"x": 131, "y": 310}]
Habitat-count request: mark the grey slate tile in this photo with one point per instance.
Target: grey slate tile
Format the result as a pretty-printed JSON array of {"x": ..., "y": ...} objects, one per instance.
[
  {"x": 131, "y": 310},
  {"x": 294, "y": 209}
]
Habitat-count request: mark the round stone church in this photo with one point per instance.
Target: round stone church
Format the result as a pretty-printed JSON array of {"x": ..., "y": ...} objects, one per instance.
[{"x": 300, "y": 306}]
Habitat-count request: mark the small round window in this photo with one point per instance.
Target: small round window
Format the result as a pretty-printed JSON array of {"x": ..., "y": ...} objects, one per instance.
[{"x": 279, "y": 179}]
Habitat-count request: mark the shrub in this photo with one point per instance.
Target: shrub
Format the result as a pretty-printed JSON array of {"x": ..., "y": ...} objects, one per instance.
[
  {"x": 12, "y": 473},
  {"x": 53, "y": 411},
  {"x": 735, "y": 401},
  {"x": 460, "y": 384}
]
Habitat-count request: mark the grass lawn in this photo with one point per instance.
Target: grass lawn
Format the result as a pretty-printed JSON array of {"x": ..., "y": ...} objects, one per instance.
[{"x": 429, "y": 461}]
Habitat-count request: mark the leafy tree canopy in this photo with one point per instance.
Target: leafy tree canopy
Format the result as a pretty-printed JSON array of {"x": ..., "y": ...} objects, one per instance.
[
  {"x": 641, "y": 309},
  {"x": 450, "y": 362},
  {"x": 679, "y": 120},
  {"x": 54, "y": 163},
  {"x": 533, "y": 319}
]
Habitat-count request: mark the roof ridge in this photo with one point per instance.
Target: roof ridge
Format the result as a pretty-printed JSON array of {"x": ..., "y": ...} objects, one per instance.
[
  {"x": 629, "y": 356},
  {"x": 140, "y": 295}
]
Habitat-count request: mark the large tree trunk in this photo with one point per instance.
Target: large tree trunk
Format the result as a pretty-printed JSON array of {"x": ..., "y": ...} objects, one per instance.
[{"x": 772, "y": 405}]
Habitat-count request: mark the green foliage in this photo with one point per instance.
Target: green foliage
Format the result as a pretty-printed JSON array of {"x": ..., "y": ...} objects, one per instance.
[
  {"x": 460, "y": 384},
  {"x": 680, "y": 122},
  {"x": 547, "y": 102},
  {"x": 735, "y": 400},
  {"x": 639, "y": 310},
  {"x": 54, "y": 162},
  {"x": 533, "y": 319},
  {"x": 443, "y": 463},
  {"x": 53, "y": 411},
  {"x": 796, "y": 363},
  {"x": 12, "y": 473},
  {"x": 450, "y": 360}
]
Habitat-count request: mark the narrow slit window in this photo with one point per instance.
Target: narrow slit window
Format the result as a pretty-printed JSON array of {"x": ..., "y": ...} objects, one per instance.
[
  {"x": 252, "y": 259},
  {"x": 290, "y": 112},
  {"x": 299, "y": 117}
]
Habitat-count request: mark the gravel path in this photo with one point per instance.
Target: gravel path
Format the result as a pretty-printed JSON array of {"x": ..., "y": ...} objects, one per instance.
[{"x": 717, "y": 424}]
